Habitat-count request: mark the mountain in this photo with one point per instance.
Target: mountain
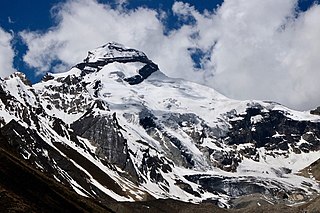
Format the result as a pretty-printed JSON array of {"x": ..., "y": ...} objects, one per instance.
[{"x": 115, "y": 128}]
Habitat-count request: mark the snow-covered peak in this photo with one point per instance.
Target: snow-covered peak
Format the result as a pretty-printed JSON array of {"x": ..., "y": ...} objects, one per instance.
[
  {"x": 131, "y": 65},
  {"x": 117, "y": 113},
  {"x": 112, "y": 50},
  {"x": 17, "y": 85}
]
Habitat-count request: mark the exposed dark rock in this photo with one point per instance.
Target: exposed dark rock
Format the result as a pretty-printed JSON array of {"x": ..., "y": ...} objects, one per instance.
[
  {"x": 136, "y": 79},
  {"x": 58, "y": 126},
  {"x": 47, "y": 77},
  {"x": 315, "y": 111},
  {"x": 104, "y": 132},
  {"x": 152, "y": 165},
  {"x": 274, "y": 131},
  {"x": 186, "y": 187},
  {"x": 147, "y": 119},
  {"x": 144, "y": 72},
  {"x": 227, "y": 161}
]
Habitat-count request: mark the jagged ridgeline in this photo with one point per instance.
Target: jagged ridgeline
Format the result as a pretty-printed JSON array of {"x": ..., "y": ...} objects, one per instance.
[{"x": 114, "y": 127}]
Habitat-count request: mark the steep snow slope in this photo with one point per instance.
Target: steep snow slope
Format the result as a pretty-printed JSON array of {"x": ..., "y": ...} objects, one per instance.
[{"x": 154, "y": 136}]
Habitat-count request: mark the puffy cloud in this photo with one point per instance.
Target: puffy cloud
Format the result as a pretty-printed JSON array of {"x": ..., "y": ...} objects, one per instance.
[
  {"x": 261, "y": 50},
  {"x": 83, "y": 25},
  {"x": 249, "y": 49},
  {"x": 6, "y": 54}
]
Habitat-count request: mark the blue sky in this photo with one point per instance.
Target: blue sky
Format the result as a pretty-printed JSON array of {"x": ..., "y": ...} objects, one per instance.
[{"x": 239, "y": 47}]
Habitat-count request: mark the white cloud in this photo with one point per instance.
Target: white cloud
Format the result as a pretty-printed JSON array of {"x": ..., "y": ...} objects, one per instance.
[
  {"x": 263, "y": 50},
  {"x": 84, "y": 25},
  {"x": 254, "y": 49},
  {"x": 6, "y": 54}
]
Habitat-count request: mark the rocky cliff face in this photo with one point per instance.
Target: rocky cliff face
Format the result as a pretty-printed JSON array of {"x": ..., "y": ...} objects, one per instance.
[{"x": 115, "y": 127}]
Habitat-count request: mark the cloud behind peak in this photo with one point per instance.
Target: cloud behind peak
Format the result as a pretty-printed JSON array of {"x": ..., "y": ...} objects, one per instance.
[{"x": 249, "y": 49}]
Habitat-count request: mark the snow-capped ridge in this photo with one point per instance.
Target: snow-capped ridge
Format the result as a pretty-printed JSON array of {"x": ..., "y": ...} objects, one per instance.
[{"x": 21, "y": 76}]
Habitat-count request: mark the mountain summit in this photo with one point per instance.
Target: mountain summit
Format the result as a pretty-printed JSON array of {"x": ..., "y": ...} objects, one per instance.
[
  {"x": 113, "y": 53},
  {"x": 115, "y": 127}
]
